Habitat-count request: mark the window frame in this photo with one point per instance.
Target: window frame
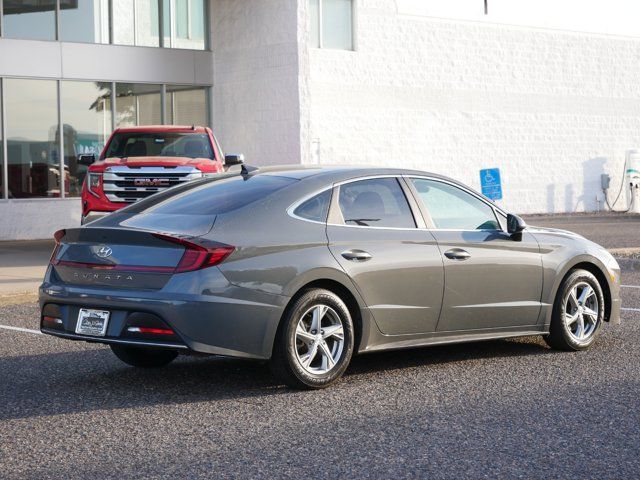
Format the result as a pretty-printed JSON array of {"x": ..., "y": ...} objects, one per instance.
[
  {"x": 354, "y": 18},
  {"x": 162, "y": 14},
  {"x": 60, "y": 105},
  {"x": 334, "y": 218},
  {"x": 497, "y": 211}
]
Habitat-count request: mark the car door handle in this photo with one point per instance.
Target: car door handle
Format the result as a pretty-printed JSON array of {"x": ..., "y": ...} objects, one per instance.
[
  {"x": 457, "y": 254},
  {"x": 357, "y": 255}
]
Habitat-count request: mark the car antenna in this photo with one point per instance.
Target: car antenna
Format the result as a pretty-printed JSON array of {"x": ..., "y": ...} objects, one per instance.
[{"x": 247, "y": 169}]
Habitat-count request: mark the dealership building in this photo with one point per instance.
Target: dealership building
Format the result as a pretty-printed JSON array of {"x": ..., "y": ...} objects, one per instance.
[{"x": 547, "y": 94}]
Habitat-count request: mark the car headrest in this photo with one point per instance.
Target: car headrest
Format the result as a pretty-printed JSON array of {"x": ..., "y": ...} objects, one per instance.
[{"x": 136, "y": 149}]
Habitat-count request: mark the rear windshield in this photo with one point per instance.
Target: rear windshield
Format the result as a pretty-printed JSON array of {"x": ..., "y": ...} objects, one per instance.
[
  {"x": 169, "y": 144},
  {"x": 220, "y": 196}
]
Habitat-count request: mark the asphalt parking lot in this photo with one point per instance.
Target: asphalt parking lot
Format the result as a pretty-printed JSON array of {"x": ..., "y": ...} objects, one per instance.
[{"x": 501, "y": 409}]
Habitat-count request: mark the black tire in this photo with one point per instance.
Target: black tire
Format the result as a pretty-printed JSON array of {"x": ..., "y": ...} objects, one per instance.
[
  {"x": 144, "y": 357},
  {"x": 561, "y": 336},
  {"x": 286, "y": 363}
]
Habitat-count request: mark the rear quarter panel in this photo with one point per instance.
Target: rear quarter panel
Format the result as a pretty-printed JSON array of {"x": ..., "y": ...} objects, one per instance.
[{"x": 279, "y": 254}]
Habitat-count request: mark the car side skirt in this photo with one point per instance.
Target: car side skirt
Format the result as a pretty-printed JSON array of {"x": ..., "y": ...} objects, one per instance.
[{"x": 398, "y": 342}]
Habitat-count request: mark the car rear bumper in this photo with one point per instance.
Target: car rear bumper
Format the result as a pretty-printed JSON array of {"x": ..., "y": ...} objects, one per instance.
[
  {"x": 113, "y": 341},
  {"x": 222, "y": 319}
]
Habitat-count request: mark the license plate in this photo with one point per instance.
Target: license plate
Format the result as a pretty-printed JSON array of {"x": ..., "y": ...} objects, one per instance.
[{"x": 92, "y": 322}]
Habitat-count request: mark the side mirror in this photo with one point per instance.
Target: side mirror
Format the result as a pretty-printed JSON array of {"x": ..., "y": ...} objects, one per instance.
[
  {"x": 515, "y": 224},
  {"x": 86, "y": 159},
  {"x": 233, "y": 159}
]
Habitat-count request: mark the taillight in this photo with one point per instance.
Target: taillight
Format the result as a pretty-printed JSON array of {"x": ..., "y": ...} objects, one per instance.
[
  {"x": 94, "y": 183},
  {"x": 197, "y": 257},
  {"x": 58, "y": 236}
]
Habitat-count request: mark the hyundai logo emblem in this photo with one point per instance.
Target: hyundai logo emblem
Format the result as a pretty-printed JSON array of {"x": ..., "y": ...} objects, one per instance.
[{"x": 104, "y": 252}]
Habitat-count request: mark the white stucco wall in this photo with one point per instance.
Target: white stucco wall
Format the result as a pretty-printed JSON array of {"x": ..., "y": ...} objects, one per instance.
[
  {"x": 553, "y": 110},
  {"x": 256, "y": 102}
]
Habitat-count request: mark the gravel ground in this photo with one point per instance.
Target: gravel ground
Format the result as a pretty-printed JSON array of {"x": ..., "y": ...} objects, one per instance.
[{"x": 501, "y": 409}]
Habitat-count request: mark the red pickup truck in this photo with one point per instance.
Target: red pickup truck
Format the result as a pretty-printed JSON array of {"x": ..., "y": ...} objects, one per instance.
[{"x": 139, "y": 161}]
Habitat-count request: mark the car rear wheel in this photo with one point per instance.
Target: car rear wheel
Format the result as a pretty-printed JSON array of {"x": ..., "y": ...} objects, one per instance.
[
  {"x": 578, "y": 312},
  {"x": 314, "y": 344},
  {"x": 144, "y": 357}
]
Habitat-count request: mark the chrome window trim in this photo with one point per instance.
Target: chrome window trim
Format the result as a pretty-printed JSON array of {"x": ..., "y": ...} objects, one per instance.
[
  {"x": 407, "y": 177},
  {"x": 297, "y": 203},
  {"x": 292, "y": 208},
  {"x": 398, "y": 178}
]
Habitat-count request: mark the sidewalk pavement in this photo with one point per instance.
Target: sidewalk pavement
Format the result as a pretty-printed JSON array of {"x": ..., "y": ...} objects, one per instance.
[{"x": 22, "y": 264}]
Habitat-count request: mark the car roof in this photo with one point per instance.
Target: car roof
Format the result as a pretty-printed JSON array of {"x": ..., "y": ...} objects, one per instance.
[
  {"x": 163, "y": 129},
  {"x": 337, "y": 173}
]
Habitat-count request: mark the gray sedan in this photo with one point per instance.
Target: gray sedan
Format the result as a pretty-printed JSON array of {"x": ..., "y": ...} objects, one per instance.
[{"x": 307, "y": 266}]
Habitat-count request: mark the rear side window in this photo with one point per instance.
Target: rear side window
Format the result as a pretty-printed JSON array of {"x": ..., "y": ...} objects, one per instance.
[
  {"x": 452, "y": 208},
  {"x": 221, "y": 196},
  {"x": 378, "y": 202},
  {"x": 315, "y": 209}
]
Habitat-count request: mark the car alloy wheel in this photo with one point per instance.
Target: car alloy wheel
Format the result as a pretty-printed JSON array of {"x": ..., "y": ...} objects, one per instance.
[
  {"x": 319, "y": 339},
  {"x": 578, "y": 312},
  {"x": 581, "y": 311},
  {"x": 315, "y": 340}
]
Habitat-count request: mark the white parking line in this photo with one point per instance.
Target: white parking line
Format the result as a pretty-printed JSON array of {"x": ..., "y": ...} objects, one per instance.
[
  {"x": 18, "y": 329},
  {"x": 630, "y": 309},
  {"x": 630, "y": 286}
]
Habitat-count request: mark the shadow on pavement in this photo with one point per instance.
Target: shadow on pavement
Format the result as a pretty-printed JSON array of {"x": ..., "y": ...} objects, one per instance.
[{"x": 83, "y": 381}]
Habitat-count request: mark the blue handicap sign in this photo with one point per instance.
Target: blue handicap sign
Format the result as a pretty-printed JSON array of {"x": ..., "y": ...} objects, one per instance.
[{"x": 491, "y": 184}]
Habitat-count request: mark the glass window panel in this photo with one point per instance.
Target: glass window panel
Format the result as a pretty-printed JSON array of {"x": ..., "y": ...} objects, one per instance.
[
  {"x": 86, "y": 119},
  {"x": 85, "y": 21},
  {"x": 123, "y": 22},
  {"x": 316, "y": 208},
  {"x": 188, "y": 24},
  {"x": 182, "y": 19},
  {"x": 378, "y": 202},
  {"x": 187, "y": 105},
  {"x": 30, "y": 19},
  {"x": 32, "y": 138},
  {"x": 197, "y": 15},
  {"x": 166, "y": 22},
  {"x": 147, "y": 23},
  {"x": 314, "y": 23},
  {"x": 453, "y": 208},
  {"x": 138, "y": 104},
  {"x": 337, "y": 24}
]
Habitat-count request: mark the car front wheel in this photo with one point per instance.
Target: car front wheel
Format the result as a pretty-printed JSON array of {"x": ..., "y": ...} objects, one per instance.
[
  {"x": 144, "y": 357},
  {"x": 578, "y": 312},
  {"x": 315, "y": 341}
]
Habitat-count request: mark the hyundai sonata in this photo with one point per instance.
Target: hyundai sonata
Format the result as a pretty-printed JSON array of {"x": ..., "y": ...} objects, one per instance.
[{"x": 306, "y": 267}]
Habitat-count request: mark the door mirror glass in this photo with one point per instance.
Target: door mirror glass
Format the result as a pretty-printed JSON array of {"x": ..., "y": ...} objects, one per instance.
[
  {"x": 86, "y": 159},
  {"x": 515, "y": 224}
]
